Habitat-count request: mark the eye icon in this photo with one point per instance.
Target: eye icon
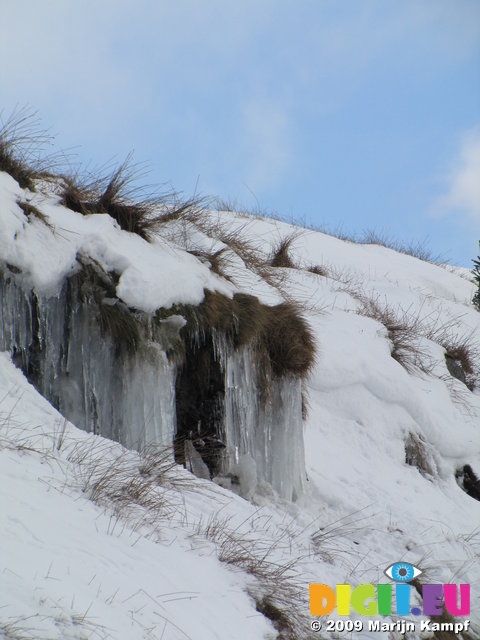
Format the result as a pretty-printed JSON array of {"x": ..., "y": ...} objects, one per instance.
[{"x": 402, "y": 572}]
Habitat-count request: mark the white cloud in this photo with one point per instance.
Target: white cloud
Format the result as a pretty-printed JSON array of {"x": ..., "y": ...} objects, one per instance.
[{"x": 463, "y": 195}]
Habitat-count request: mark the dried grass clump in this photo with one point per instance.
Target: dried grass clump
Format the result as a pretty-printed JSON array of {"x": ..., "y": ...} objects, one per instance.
[
  {"x": 18, "y": 629},
  {"x": 416, "y": 249},
  {"x": 318, "y": 270},
  {"x": 407, "y": 331},
  {"x": 135, "y": 210},
  {"x": 290, "y": 341},
  {"x": 250, "y": 255},
  {"x": 234, "y": 239},
  {"x": 250, "y": 252},
  {"x": 462, "y": 356},
  {"x": 216, "y": 312},
  {"x": 114, "y": 198},
  {"x": 251, "y": 316},
  {"x": 404, "y": 331},
  {"x": 76, "y": 195},
  {"x": 138, "y": 487},
  {"x": 462, "y": 350},
  {"x": 280, "y": 334},
  {"x": 281, "y": 253},
  {"x": 222, "y": 204},
  {"x": 20, "y": 146}
]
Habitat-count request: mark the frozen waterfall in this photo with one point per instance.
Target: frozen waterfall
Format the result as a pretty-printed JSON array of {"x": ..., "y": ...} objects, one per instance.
[{"x": 131, "y": 398}]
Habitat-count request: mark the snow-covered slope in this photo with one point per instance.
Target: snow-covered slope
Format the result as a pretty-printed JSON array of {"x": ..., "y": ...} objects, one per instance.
[{"x": 179, "y": 557}]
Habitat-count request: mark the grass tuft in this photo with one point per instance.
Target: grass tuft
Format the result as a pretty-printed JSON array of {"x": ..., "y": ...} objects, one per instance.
[
  {"x": 318, "y": 270},
  {"x": 290, "y": 341},
  {"x": 31, "y": 211},
  {"x": 408, "y": 332},
  {"x": 20, "y": 146},
  {"x": 281, "y": 253},
  {"x": 234, "y": 239},
  {"x": 404, "y": 332},
  {"x": 416, "y": 249},
  {"x": 117, "y": 195},
  {"x": 462, "y": 357},
  {"x": 129, "y": 481},
  {"x": 280, "y": 332}
]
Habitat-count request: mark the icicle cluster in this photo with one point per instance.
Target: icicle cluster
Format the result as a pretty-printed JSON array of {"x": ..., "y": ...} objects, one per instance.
[
  {"x": 58, "y": 344},
  {"x": 130, "y": 398},
  {"x": 263, "y": 431}
]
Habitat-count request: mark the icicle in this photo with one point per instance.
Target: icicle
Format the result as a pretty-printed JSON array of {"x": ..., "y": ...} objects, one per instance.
[
  {"x": 264, "y": 428},
  {"x": 129, "y": 399}
]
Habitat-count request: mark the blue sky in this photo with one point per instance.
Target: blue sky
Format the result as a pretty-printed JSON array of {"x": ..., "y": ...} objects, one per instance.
[{"x": 353, "y": 114}]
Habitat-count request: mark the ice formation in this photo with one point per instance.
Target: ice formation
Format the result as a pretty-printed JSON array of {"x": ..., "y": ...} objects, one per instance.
[
  {"x": 130, "y": 398},
  {"x": 58, "y": 344},
  {"x": 266, "y": 427}
]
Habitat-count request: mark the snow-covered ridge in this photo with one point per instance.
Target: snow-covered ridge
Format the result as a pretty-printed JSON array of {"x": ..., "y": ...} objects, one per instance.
[
  {"x": 383, "y": 444},
  {"x": 151, "y": 275}
]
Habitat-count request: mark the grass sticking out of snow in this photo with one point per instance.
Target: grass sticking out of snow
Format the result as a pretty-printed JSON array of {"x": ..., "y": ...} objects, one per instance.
[
  {"x": 408, "y": 331},
  {"x": 282, "y": 337},
  {"x": 20, "y": 144},
  {"x": 137, "y": 488},
  {"x": 131, "y": 206},
  {"x": 278, "y": 591},
  {"x": 281, "y": 252},
  {"x": 404, "y": 333}
]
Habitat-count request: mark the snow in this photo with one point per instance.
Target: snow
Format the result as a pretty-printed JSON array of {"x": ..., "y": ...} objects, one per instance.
[
  {"x": 74, "y": 568},
  {"x": 152, "y": 275}
]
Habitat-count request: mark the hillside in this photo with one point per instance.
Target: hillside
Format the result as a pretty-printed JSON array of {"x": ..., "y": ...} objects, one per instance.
[{"x": 102, "y": 540}]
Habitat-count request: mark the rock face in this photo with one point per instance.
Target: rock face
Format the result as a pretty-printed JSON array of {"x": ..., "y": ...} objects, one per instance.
[
  {"x": 455, "y": 369},
  {"x": 110, "y": 370},
  {"x": 469, "y": 481}
]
